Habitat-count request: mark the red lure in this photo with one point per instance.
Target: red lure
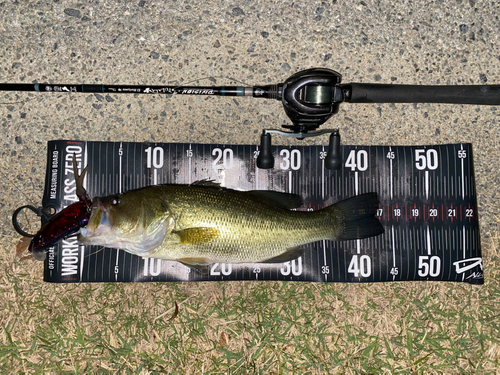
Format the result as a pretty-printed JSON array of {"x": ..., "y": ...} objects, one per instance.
[{"x": 65, "y": 222}]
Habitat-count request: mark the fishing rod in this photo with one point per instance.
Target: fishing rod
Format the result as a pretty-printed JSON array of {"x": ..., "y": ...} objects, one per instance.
[{"x": 309, "y": 97}]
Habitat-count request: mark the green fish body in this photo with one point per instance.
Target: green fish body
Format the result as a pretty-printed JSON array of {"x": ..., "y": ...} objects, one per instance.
[{"x": 203, "y": 223}]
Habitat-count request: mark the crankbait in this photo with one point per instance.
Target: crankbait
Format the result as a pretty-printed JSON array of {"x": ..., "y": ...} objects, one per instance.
[{"x": 64, "y": 223}]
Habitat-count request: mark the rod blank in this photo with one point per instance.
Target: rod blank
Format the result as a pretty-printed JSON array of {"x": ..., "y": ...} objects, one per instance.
[{"x": 138, "y": 89}]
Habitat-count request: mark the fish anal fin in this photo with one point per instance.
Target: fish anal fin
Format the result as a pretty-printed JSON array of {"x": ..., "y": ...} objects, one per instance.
[
  {"x": 198, "y": 263},
  {"x": 359, "y": 217},
  {"x": 197, "y": 236},
  {"x": 288, "y": 255}
]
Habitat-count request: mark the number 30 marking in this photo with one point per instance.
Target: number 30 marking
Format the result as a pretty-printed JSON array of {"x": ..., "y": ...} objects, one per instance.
[{"x": 290, "y": 159}]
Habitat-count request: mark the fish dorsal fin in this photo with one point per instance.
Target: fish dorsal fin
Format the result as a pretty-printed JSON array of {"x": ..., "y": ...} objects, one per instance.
[
  {"x": 288, "y": 255},
  {"x": 206, "y": 183},
  {"x": 196, "y": 236},
  {"x": 278, "y": 199}
]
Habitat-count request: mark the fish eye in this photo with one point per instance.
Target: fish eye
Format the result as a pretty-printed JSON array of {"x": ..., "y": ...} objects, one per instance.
[{"x": 116, "y": 200}]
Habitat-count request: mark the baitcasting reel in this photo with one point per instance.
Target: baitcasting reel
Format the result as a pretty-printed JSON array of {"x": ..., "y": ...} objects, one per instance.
[{"x": 312, "y": 96}]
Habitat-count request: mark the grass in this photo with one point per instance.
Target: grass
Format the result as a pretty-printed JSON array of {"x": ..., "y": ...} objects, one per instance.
[{"x": 247, "y": 327}]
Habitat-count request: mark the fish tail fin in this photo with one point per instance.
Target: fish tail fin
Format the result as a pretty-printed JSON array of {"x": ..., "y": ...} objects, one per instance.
[{"x": 358, "y": 218}]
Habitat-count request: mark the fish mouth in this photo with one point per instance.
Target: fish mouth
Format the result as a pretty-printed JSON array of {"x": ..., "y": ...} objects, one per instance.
[{"x": 98, "y": 225}]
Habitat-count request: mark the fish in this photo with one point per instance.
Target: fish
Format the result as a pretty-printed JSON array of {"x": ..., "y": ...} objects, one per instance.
[{"x": 203, "y": 223}]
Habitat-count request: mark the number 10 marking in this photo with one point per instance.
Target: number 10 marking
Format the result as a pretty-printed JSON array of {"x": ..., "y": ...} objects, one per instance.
[{"x": 154, "y": 157}]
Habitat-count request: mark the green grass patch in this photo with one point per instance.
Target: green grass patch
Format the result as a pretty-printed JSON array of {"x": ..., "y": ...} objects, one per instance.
[{"x": 248, "y": 327}]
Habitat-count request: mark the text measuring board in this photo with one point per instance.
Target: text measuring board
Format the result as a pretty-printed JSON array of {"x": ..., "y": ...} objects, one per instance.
[{"x": 427, "y": 207}]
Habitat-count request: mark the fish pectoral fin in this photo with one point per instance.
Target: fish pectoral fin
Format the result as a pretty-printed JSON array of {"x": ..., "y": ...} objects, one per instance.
[
  {"x": 198, "y": 263},
  {"x": 288, "y": 255},
  {"x": 196, "y": 236}
]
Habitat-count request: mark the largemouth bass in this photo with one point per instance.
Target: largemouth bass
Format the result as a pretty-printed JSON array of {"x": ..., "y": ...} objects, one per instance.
[{"x": 203, "y": 223}]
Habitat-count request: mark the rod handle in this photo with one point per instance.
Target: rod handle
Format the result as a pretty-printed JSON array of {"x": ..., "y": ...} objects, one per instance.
[{"x": 455, "y": 94}]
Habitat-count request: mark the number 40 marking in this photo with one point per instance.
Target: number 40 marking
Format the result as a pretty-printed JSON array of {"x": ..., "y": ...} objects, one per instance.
[
  {"x": 357, "y": 160},
  {"x": 361, "y": 266}
]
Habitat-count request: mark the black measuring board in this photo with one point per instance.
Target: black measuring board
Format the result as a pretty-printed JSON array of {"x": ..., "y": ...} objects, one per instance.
[{"x": 427, "y": 205}]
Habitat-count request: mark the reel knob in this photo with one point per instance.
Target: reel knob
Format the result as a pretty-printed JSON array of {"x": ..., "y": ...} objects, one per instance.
[
  {"x": 265, "y": 160},
  {"x": 333, "y": 159}
]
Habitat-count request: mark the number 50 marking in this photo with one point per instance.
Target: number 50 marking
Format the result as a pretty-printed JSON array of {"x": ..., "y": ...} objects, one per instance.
[
  {"x": 426, "y": 159},
  {"x": 429, "y": 266}
]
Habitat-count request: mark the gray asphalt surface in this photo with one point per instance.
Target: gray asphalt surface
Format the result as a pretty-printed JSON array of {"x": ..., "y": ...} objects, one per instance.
[{"x": 260, "y": 42}]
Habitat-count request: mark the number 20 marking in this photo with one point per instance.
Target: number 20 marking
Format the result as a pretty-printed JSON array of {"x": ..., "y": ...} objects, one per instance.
[
  {"x": 225, "y": 269},
  {"x": 226, "y": 156}
]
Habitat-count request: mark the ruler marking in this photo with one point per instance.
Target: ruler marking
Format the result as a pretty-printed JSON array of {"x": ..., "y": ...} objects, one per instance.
[
  {"x": 323, "y": 175},
  {"x": 393, "y": 252},
  {"x": 256, "y": 171},
  {"x": 464, "y": 250},
  {"x": 120, "y": 152},
  {"x": 85, "y": 185},
  {"x": 463, "y": 178},
  {"x": 390, "y": 172},
  {"x": 428, "y": 241},
  {"x": 324, "y": 258},
  {"x": 427, "y": 184},
  {"x": 189, "y": 164},
  {"x": 323, "y": 198},
  {"x": 452, "y": 186}
]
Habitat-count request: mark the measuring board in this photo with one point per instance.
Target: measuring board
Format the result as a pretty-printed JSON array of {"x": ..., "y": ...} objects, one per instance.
[{"x": 427, "y": 206}]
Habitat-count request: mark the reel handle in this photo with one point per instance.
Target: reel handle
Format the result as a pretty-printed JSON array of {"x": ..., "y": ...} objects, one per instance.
[{"x": 333, "y": 159}]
